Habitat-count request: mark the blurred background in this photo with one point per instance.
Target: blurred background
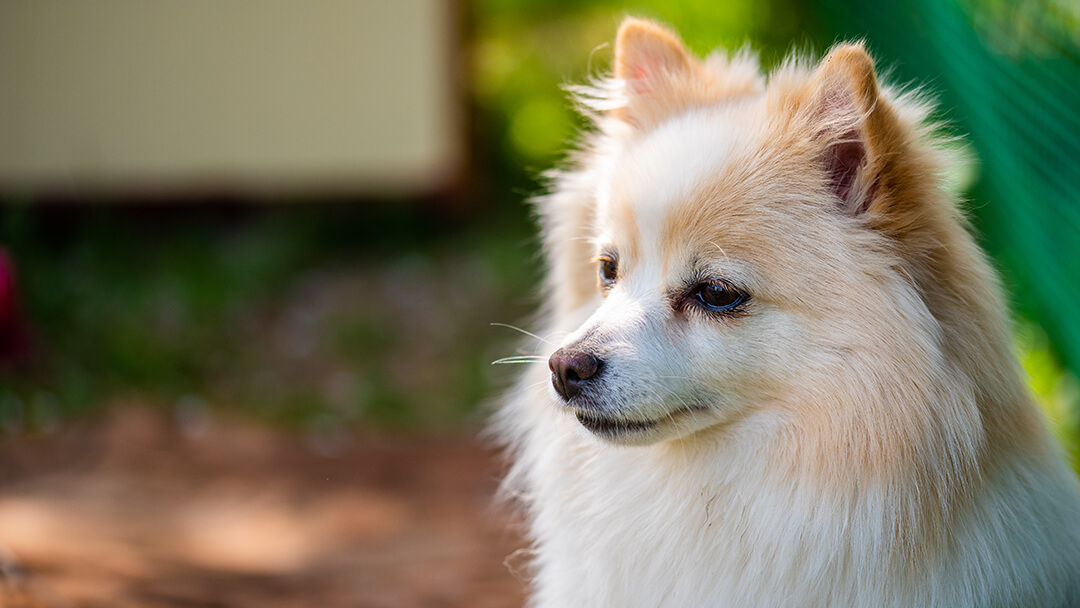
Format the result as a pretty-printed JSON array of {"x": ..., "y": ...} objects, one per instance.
[{"x": 256, "y": 258}]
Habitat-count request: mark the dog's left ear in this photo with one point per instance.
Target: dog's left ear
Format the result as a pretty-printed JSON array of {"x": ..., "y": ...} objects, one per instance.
[{"x": 855, "y": 124}]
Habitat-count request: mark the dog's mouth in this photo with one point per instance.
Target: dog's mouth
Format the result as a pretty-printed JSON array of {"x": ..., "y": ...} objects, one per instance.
[{"x": 614, "y": 428}]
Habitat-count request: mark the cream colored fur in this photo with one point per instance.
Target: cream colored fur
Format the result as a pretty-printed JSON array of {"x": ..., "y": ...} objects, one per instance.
[{"x": 858, "y": 434}]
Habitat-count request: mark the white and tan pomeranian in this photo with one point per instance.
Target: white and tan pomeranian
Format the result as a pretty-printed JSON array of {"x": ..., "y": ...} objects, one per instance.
[{"x": 779, "y": 370}]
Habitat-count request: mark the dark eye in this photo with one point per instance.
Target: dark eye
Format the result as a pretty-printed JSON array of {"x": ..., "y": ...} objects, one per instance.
[
  {"x": 719, "y": 296},
  {"x": 609, "y": 271}
]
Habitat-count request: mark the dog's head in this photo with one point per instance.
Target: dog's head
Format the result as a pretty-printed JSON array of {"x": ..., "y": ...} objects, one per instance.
[{"x": 742, "y": 239}]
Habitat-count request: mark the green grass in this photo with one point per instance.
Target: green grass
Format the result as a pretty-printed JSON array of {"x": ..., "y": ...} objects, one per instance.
[{"x": 378, "y": 315}]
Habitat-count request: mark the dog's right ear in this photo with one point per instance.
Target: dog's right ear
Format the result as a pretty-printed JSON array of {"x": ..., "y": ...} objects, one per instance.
[
  {"x": 654, "y": 65},
  {"x": 661, "y": 77},
  {"x": 648, "y": 57}
]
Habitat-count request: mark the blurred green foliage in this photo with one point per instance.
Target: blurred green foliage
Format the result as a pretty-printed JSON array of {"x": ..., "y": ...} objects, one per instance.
[
  {"x": 523, "y": 51},
  {"x": 311, "y": 316}
]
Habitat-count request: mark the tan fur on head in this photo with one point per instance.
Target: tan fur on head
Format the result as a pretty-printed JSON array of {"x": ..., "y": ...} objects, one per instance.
[{"x": 852, "y": 430}]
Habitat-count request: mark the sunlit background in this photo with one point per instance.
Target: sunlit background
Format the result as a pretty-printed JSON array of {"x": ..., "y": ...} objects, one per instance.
[{"x": 256, "y": 259}]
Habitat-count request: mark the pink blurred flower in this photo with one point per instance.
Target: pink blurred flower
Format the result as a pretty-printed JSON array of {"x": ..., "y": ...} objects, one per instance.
[{"x": 14, "y": 336}]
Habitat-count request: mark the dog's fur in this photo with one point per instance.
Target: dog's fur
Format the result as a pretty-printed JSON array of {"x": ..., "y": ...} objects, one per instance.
[{"x": 855, "y": 433}]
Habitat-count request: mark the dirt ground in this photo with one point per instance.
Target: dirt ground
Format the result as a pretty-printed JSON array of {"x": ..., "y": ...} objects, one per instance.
[{"x": 143, "y": 510}]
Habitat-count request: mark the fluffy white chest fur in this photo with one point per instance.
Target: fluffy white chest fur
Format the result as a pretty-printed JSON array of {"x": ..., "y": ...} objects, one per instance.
[
  {"x": 776, "y": 369},
  {"x": 708, "y": 524}
]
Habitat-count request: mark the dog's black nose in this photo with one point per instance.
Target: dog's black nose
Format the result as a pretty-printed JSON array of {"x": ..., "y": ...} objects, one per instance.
[{"x": 569, "y": 369}]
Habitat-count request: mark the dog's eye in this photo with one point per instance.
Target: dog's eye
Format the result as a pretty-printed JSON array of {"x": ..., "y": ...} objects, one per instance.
[
  {"x": 718, "y": 296},
  {"x": 609, "y": 271}
]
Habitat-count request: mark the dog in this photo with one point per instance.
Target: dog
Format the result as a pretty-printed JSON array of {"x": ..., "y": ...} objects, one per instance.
[{"x": 775, "y": 369}]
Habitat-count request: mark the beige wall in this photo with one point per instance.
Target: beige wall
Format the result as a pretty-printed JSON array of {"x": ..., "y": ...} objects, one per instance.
[{"x": 266, "y": 95}]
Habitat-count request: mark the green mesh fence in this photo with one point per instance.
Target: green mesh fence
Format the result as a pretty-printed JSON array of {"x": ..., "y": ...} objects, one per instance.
[{"x": 1008, "y": 76}]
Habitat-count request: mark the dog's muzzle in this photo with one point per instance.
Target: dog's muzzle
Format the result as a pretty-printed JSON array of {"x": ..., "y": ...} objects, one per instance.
[{"x": 570, "y": 370}]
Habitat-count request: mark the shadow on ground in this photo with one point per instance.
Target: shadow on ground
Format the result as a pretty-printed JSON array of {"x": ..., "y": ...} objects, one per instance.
[{"x": 142, "y": 510}]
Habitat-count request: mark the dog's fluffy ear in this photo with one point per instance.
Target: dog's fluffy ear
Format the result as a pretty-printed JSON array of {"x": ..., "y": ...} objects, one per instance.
[
  {"x": 661, "y": 77},
  {"x": 648, "y": 57},
  {"x": 843, "y": 103},
  {"x": 654, "y": 65}
]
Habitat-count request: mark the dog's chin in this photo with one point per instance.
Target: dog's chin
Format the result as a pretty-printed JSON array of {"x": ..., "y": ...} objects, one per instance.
[{"x": 642, "y": 431}]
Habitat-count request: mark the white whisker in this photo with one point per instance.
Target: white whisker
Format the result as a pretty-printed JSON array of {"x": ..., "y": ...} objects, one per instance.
[
  {"x": 519, "y": 359},
  {"x": 527, "y": 333},
  {"x": 537, "y": 385}
]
